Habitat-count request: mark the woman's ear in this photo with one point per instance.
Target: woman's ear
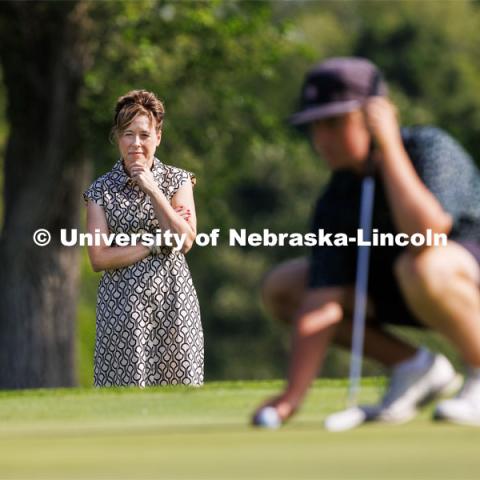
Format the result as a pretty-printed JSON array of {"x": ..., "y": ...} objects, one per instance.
[{"x": 159, "y": 137}]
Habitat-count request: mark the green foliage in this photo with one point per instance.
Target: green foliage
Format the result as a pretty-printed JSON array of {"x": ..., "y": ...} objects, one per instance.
[
  {"x": 222, "y": 70},
  {"x": 427, "y": 50},
  {"x": 85, "y": 338},
  {"x": 229, "y": 73}
]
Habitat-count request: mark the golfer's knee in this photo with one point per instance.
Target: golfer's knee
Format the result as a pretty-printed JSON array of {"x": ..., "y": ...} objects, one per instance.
[
  {"x": 282, "y": 289},
  {"x": 271, "y": 292},
  {"x": 317, "y": 320},
  {"x": 324, "y": 307},
  {"x": 423, "y": 273},
  {"x": 314, "y": 317}
]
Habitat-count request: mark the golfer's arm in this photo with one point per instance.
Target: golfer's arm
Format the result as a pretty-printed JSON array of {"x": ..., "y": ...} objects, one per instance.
[
  {"x": 169, "y": 219},
  {"x": 415, "y": 209},
  {"x": 313, "y": 329},
  {"x": 103, "y": 257}
]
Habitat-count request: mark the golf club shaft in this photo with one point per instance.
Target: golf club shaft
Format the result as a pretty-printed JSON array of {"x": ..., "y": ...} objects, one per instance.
[
  {"x": 361, "y": 283},
  {"x": 361, "y": 289}
]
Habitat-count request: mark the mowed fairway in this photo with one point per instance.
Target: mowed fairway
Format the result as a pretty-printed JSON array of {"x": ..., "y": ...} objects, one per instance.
[{"x": 181, "y": 433}]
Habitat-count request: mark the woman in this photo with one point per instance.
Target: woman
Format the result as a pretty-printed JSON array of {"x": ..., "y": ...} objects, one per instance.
[{"x": 148, "y": 323}]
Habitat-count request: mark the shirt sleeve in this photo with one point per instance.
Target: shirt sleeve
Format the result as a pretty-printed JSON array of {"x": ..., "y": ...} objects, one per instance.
[
  {"x": 447, "y": 170},
  {"x": 94, "y": 193}
]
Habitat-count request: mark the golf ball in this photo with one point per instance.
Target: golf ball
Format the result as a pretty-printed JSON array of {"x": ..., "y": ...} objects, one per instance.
[{"x": 267, "y": 417}]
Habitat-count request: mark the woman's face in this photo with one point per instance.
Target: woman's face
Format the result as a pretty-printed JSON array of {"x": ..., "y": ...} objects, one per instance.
[
  {"x": 342, "y": 141},
  {"x": 138, "y": 142}
]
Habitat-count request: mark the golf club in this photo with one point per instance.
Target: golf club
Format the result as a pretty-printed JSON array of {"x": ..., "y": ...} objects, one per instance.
[{"x": 354, "y": 415}]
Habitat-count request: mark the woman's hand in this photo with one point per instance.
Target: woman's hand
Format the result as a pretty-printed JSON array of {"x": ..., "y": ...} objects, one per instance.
[
  {"x": 102, "y": 256},
  {"x": 382, "y": 122},
  {"x": 143, "y": 177},
  {"x": 184, "y": 212}
]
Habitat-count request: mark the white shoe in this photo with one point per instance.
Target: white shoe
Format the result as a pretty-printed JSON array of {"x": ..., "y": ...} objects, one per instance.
[
  {"x": 413, "y": 384},
  {"x": 465, "y": 407}
]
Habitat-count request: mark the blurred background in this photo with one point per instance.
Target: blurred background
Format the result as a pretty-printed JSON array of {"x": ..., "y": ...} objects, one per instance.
[{"x": 229, "y": 74}]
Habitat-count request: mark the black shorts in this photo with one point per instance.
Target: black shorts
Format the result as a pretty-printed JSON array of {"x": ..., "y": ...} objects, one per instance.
[{"x": 384, "y": 292}]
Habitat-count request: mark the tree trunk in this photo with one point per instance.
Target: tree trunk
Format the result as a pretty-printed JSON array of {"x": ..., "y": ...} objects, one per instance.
[{"x": 44, "y": 57}]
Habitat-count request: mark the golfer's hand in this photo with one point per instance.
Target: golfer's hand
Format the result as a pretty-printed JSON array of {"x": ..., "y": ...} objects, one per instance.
[
  {"x": 143, "y": 177},
  {"x": 284, "y": 407},
  {"x": 381, "y": 117}
]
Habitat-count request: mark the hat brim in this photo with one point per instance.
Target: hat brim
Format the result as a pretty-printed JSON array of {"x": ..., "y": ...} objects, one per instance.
[{"x": 324, "y": 111}]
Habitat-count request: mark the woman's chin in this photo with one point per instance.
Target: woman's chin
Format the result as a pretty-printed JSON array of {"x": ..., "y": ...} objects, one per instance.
[{"x": 134, "y": 160}]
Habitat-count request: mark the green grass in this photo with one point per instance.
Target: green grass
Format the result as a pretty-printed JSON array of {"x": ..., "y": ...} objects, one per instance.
[{"x": 182, "y": 433}]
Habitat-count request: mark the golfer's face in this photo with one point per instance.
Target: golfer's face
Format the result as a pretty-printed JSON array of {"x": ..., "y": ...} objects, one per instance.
[
  {"x": 343, "y": 141},
  {"x": 138, "y": 142}
]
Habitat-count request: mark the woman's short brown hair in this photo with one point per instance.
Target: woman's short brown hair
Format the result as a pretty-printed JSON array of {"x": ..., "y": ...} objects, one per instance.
[{"x": 134, "y": 103}]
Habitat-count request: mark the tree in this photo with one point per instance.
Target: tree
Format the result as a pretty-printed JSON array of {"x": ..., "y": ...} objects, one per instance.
[
  {"x": 201, "y": 54},
  {"x": 44, "y": 53}
]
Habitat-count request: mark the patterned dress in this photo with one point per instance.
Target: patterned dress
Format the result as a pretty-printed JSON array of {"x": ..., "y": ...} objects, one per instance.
[{"x": 148, "y": 327}]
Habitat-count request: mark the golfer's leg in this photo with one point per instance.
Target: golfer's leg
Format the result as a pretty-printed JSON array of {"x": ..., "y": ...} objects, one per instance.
[
  {"x": 314, "y": 326},
  {"x": 441, "y": 286},
  {"x": 317, "y": 322},
  {"x": 379, "y": 344},
  {"x": 283, "y": 289}
]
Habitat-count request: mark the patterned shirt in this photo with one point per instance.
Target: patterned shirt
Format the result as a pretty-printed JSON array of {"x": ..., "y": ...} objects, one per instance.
[
  {"x": 443, "y": 166},
  {"x": 127, "y": 208}
]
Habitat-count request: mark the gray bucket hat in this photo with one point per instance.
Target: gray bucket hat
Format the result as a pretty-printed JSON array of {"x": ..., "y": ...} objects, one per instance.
[{"x": 336, "y": 86}]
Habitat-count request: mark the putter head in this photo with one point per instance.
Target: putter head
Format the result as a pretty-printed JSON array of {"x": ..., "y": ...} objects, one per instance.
[{"x": 345, "y": 420}]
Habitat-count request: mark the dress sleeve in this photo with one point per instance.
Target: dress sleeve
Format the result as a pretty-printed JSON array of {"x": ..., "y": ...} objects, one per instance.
[
  {"x": 94, "y": 193},
  {"x": 180, "y": 178}
]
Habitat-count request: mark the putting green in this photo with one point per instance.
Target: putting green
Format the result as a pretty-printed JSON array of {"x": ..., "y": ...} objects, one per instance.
[{"x": 181, "y": 433}]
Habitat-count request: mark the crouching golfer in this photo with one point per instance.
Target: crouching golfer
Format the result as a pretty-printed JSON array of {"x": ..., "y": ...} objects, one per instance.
[{"x": 425, "y": 181}]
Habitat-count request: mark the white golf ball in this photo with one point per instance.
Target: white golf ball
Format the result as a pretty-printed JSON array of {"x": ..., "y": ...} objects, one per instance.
[
  {"x": 345, "y": 420},
  {"x": 267, "y": 417}
]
